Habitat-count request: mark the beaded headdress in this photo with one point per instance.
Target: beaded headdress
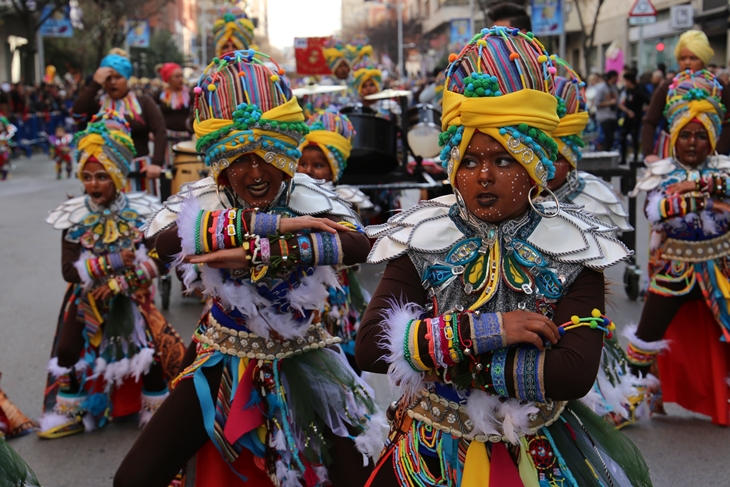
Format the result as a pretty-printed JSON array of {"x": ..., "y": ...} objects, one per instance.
[
  {"x": 332, "y": 132},
  {"x": 106, "y": 140},
  {"x": 242, "y": 106},
  {"x": 366, "y": 69},
  {"x": 501, "y": 84},
  {"x": 336, "y": 51},
  {"x": 694, "y": 96},
  {"x": 359, "y": 48},
  {"x": 571, "y": 95},
  {"x": 237, "y": 27}
]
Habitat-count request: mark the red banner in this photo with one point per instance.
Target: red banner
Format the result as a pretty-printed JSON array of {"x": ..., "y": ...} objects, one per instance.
[{"x": 309, "y": 57}]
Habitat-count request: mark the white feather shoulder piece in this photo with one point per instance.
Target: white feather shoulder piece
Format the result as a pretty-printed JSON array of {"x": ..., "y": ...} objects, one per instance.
[
  {"x": 573, "y": 236},
  {"x": 308, "y": 197},
  {"x": 600, "y": 200},
  {"x": 72, "y": 211}
]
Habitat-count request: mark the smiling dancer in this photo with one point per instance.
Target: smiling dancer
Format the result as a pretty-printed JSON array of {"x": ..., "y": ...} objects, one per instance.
[
  {"x": 266, "y": 399},
  {"x": 110, "y": 335},
  {"x": 489, "y": 314},
  {"x": 689, "y": 272}
]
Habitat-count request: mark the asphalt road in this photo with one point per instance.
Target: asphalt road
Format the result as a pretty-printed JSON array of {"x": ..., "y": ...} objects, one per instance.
[{"x": 681, "y": 449}]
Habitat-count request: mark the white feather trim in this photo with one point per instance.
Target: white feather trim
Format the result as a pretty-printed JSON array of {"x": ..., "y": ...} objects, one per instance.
[
  {"x": 293, "y": 479},
  {"x": 281, "y": 470},
  {"x": 89, "y": 423},
  {"x": 56, "y": 370},
  {"x": 51, "y": 420},
  {"x": 652, "y": 206},
  {"x": 279, "y": 441},
  {"x": 482, "y": 410},
  {"x": 186, "y": 222},
  {"x": 141, "y": 363},
  {"x": 657, "y": 346},
  {"x": 191, "y": 277},
  {"x": 400, "y": 374},
  {"x": 709, "y": 227},
  {"x": 117, "y": 371},
  {"x": 516, "y": 420},
  {"x": 322, "y": 474},
  {"x": 372, "y": 441},
  {"x": 86, "y": 280},
  {"x": 99, "y": 368}
]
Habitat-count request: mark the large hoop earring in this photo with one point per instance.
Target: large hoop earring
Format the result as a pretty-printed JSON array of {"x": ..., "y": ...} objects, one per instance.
[
  {"x": 289, "y": 189},
  {"x": 218, "y": 194},
  {"x": 541, "y": 213},
  {"x": 461, "y": 204}
]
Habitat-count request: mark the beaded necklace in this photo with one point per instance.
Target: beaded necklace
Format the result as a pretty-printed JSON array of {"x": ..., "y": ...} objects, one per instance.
[
  {"x": 176, "y": 100},
  {"x": 125, "y": 106}
]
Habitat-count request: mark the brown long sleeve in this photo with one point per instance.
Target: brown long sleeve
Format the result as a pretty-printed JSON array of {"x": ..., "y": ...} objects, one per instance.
[
  {"x": 70, "y": 254},
  {"x": 570, "y": 366},
  {"x": 178, "y": 120},
  {"x": 86, "y": 105},
  {"x": 655, "y": 113}
]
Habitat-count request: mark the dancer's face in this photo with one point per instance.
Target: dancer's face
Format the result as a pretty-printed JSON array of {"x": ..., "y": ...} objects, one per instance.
[
  {"x": 369, "y": 88},
  {"x": 229, "y": 46},
  {"x": 493, "y": 184},
  {"x": 175, "y": 82},
  {"x": 689, "y": 60},
  {"x": 693, "y": 144},
  {"x": 98, "y": 184},
  {"x": 342, "y": 71},
  {"x": 116, "y": 86},
  {"x": 314, "y": 164},
  {"x": 562, "y": 169},
  {"x": 254, "y": 180}
]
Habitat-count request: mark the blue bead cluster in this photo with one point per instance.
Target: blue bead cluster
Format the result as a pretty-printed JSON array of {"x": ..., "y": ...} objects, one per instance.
[
  {"x": 448, "y": 140},
  {"x": 481, "y": 85}
]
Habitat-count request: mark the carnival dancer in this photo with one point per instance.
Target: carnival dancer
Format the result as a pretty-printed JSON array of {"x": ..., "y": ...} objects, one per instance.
[
  {"x": 687, "y": 298},
  {"x": 266, "y": 399},
  {"x": 617, "y": 394},
  {"x": 61, "y": 151},
  {"x": 464, "y": 319},
  {"x": 232, "y": 32},
  {"x": 368, "y": 80},
  {"x": 140, "y": 111},
  {"x": 325, "y": 150},
  {"x": 110, "y": 335},
  {"x": 7, "y": 131}
]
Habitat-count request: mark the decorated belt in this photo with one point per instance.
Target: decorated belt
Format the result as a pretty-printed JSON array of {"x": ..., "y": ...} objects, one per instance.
[
  {"x": 246, "y": 344},
  {"x": 689, "y": 251},
  {"x": 452, "y": 418}
]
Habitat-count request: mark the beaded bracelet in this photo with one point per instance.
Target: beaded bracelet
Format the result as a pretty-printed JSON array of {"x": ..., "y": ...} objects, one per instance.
[
  {"x": 407, "y": 346},
  {"x": 416, "y": 354},
  {"x": 498, "y": 365},
  {"x": 596, "y": 321}
]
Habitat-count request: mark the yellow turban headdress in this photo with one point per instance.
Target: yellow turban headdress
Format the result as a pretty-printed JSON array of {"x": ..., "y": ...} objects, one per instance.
[
  {"x": 501, "y": 84},
  {"x": 697, "y": 42},
  {"x": 694, "y": 97},
  {"x": 366, "y": 70},
  {"x": 332, "y": 132},
  {"x": 241, "y": 107},
  {"x": 106, "y": 140},
  {"x": 235, "y": 26},
  {"x": 570, "y": 93}
]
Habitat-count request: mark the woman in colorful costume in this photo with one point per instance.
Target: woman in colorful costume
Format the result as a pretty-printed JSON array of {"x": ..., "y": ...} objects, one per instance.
[
  {"x": 140, "y": 111},
  {"x": 61, "y": 151},
  {"x": 616, "y": 392},
  {"x": 233, "y": 32},
  {"x": 175, "y": 104},
  {"x": 464, "y": 319},
  {"x": 368, "y": 80},
  {"x": 7, "y": 131},
  {"x": 325, "y": 150},
  {"x": 693, "y": 52},
  {"x": 110, "y": 335},
  {"x": 686, "y": 302},
  {"x": 265, "y": 396}
]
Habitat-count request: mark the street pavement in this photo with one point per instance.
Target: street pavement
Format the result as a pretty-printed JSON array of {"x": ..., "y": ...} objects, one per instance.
[{"x": 681, "y": 449}]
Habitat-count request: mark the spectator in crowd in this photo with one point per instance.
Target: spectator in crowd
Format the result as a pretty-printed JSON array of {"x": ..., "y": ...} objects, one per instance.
[
  {"x": 594, "y": 80},
  {"x": 606, "y": 102},
  {"x": 712, "y": 68},
  {"x": 632, "y": 102},
  {"x": 510, "y": 15}
]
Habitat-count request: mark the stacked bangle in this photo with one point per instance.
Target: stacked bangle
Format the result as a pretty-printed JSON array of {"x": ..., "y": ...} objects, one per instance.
[{"x": 681, "y": 205}]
